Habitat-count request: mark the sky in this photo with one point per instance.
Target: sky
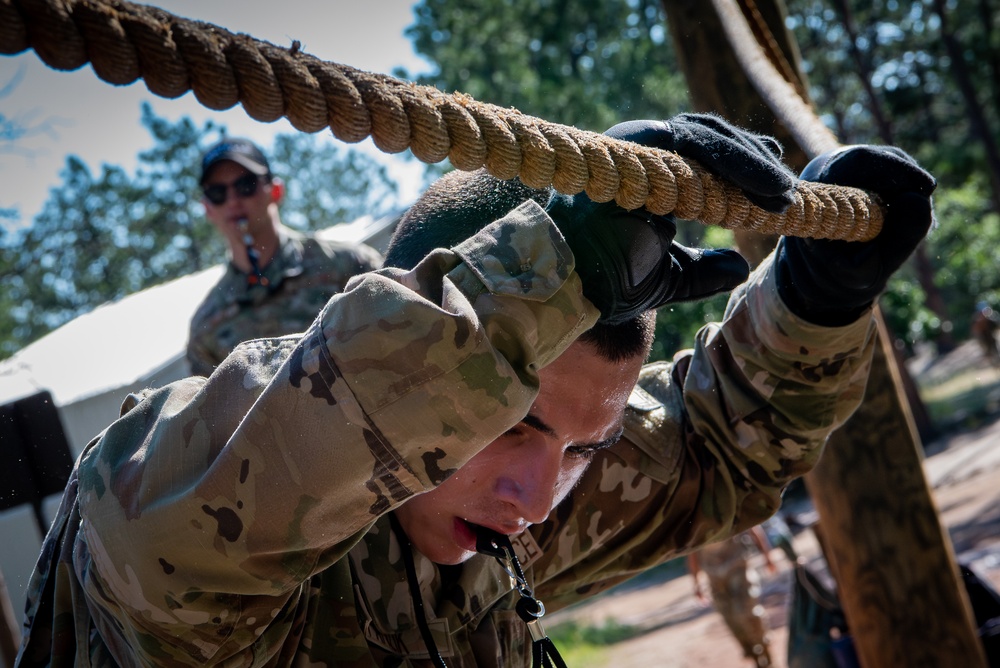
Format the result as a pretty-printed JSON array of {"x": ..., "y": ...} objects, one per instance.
[{"x": 79, "y": 114}]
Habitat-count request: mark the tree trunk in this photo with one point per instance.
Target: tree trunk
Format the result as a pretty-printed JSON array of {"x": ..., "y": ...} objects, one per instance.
[
  {"x": 716, "y": 79},
  {"x": 993, "y": 55},
  {"x": 977, "y": 119},
  {"x": 898, "y": 579}
]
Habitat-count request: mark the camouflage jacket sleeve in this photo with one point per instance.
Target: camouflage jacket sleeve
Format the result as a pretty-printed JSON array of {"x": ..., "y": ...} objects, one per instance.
[
  {"x": 200, "y": 358},
  {"x": 710, "y": 442},
  {"x": 210, "y": 502}
]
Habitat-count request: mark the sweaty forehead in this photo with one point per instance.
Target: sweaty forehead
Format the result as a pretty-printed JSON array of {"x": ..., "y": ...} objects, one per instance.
[{"x": 582, "y": 395}]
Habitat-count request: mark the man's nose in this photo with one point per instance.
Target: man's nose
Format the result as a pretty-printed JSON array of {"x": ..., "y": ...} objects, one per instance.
[{"x": 529, "y": 482}]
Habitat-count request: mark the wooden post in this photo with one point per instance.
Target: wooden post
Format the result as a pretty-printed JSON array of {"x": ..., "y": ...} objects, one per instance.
[{"x": 897, "y": 577}]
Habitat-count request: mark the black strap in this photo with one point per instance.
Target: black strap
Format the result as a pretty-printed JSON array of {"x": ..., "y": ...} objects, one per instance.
[
  {"x": 414, "y": 586},
  {"x": 545, "y": 655}
]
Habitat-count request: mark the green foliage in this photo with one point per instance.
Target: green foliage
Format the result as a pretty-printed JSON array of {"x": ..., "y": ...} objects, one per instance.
[
  {"x": 103, "y": 235},
  {"x": 608, "y": 633},
  {"x": 580, "y": 63},
  {"x": 902, "y": 45},
  {"x": 965, "y": 248},
  {"x": 585, "y": 645},
  {"x": 964, "y": 251},
  {"x": 338, "y": 186},
  {"x": 905, "y": 313},
  {"x": 9, "y": 302}
]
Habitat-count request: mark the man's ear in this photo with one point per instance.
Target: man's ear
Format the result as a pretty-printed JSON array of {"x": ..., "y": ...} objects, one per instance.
[{"x": 277, "y": 190}]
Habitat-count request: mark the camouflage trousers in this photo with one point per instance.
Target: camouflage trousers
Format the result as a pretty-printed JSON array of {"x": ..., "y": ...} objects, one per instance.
[{"x": 736, "y": 596}]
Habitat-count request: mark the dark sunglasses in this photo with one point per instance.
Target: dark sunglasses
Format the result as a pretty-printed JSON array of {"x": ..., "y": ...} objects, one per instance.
[{"x": 245, "y": 186}]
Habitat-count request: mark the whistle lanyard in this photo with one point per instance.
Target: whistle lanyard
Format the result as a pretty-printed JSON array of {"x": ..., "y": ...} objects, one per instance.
[
  {"x": 414, "y": 586},
  {"x": 543, "y": 651},
  {"x": 490, "y": 543},
  {"x": 258, "y": 277}
]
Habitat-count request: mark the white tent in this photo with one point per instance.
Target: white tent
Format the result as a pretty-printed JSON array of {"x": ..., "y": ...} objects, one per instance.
[{"x": 90, "y": 364}]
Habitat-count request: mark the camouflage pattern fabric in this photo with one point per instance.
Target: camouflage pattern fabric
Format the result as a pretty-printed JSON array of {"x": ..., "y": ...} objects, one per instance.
[
  {"x": 736, "y": 590},
  {"x": 304, "y": 273},
  {"x": 241, "y": 520}
]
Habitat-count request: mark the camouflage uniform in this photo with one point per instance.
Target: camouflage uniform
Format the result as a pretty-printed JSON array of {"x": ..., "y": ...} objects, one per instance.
[
  {"x": 304, "y": 273},
  {"x": 735, "y": 590},
  {"x": 240, "y": 520}
]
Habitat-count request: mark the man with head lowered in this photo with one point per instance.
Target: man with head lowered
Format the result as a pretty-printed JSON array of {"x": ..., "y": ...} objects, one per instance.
[{"x": 469, "y": 432}]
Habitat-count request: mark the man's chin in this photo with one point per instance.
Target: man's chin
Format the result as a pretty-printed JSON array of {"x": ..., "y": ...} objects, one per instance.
[
  {"x": 444, "y": 556},
  {"x": 461, "y": 558},
  {"x": 448, "y": 543}
]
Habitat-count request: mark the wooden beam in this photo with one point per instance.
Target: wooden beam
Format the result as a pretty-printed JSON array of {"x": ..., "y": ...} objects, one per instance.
[
  {"x": 898, "y": 580},
  {"x": 897, "y": 576}
]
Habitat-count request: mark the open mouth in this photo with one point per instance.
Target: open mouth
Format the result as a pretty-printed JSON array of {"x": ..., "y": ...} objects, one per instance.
[{"x": 466, "y": 534}]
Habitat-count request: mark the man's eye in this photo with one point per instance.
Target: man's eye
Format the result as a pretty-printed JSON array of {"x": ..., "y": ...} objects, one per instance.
[
  {"x": 590, "y": 449},
  {"x": 578, "y": 452},
  {"x": 514, "y": 431},
  {"x": 581, "y": 451}
]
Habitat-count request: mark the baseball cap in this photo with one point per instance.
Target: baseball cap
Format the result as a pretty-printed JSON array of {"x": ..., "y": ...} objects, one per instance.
[{"x": 236, "y": 149}]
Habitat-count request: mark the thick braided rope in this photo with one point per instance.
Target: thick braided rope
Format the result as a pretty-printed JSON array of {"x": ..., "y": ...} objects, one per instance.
[{"x": 124, "y": 42}]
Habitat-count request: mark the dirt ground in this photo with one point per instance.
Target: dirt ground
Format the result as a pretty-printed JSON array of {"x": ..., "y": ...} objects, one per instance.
[{"x": 677, "y": 632}]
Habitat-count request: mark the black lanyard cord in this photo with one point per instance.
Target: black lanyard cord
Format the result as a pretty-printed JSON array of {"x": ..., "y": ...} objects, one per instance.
[
  {"x": 418, "y": 599},
  {"x": 258, "y": 277}
]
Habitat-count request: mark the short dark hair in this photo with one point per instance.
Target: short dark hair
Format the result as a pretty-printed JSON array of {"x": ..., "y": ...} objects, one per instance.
[
  {"x": 452, "y": 209},
  {"x": 624, "y": 340},
  {"x": 460, "y": 204}
]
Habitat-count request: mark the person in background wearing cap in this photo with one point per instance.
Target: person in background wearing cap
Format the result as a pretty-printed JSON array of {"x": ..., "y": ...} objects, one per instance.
[{"x": 277, "y": 279}]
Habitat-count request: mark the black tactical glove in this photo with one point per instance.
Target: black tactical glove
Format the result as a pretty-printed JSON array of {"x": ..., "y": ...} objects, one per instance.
[
  {"x": 628, "y": 260},
  {"x": 831, "y": 283},
  {"x": 751, "y": 162}
]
